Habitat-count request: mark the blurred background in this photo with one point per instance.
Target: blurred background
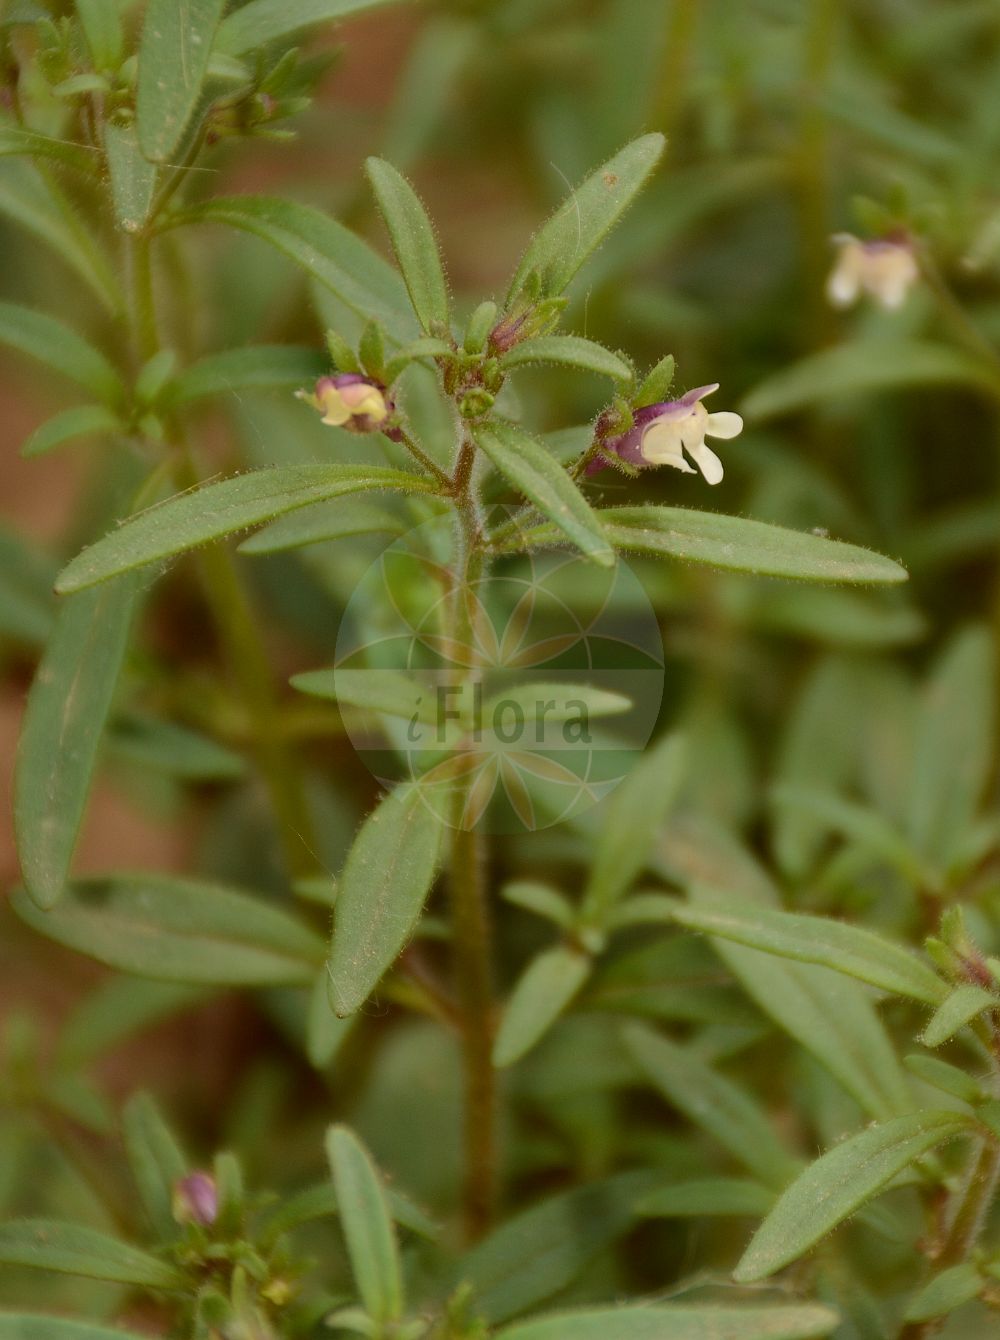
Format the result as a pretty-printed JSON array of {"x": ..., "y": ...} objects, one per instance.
[{"x": 788, "y": 122}]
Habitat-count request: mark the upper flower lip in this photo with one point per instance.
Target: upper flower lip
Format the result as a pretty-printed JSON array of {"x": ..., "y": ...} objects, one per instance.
[{"x": 674, "y": 409}]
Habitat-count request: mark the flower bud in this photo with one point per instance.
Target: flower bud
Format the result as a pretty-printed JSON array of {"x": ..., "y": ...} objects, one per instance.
[{"x": 196, "y": 1199}]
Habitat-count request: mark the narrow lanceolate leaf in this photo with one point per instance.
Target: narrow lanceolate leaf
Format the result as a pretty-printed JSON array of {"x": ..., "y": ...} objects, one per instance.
[
  {"x": 526, "y": 464},
  {"x": 389, "y": 691},
  {"x": 542, "y": 993},
  {"x": 708, "y": 1196},
  {"x": 59, "y": 348},
  {"x": 256, "y": 367},
  {"x": 101, "y": 22},
  {"x": 953, "y": 755},
  {"x": 875, "y": 366},
  {"x": 173, "y": 60},
  {"x": 682, "y": 1321},
  {"x": 26, "y": 603},
  {"x": 734, "y": 543},
  {"x": 321, "y": 522},
  {"x": 945, "y": 1292},
  {"x": 955, "y": 1011},
  {"x": 133, "y": 177},
  {"x": 215, "y": 510},
  {"x": 712, "y": 1102},
  {"x": 68, "y": 426},
  {"x": 413, "y": 242},
  {"x": 366, "y": 1224},
  {"x": 42, "y": 1326},
  {"x": 838, "y": 1184},
  {"x": 325, "y": 249},
  {"x": 568, "y": 351},
  {"x": 537, "y": 1253},
  {"x": 634, "y": 817},
  {"x": 156, "y": 1161},
  {"x": 849, "y": 949},
  {"x": 388, "y": 874},
  {"x": 179, "y": 930},
  {"x": 67, "y": 710},
  {"x": 261, "y": 22},
  {"x": 37, "y": 204},
  {"x": 586, "y": 217},
  {"x": 74, "y": 1250},
  {"x": 15, "y": 142}
]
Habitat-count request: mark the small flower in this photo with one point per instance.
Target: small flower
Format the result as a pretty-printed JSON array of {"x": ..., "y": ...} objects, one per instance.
[
  {"x": 885, "y": 268},
  {"x": 196, "y": 1199},
  {"x": 661, "y": 434},
  {"x": 349, "y": 400}
]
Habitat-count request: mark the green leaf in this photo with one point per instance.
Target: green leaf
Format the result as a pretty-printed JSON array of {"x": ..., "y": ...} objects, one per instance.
[
  {"x": 681, "y": 1321},
  {"x": 831, "y": 1016},
  {"x": 739, "y": 545},
  {"x": 73, "y": 1250},
  {"x": 413, "y": 242},
  {"x": 389, "y": 691},
  {"x": 849, "y": 949},
  {"x": 708, "y": 1196},
  {"x": 174, "y": 53},
  {"x": 319, "y": 523},
  {"x": 262, "y": 22},
  {"x": 957, "y": 1009},
  {"x": 325, "y": 249},
  {"x": 945, "y": 1292},
  {"x": 117, "y": 1009},
  {"x": 586, "y": 217},
  {"x": 947, "y": 1078},
  {"x": 36, "y": 203},
  {"x": 838, "y": 1184},
  {"x": 526, "y": 464},
  {"x": 954, "y": 747},
  {"x": 67, "y": 709},
  {"x": 16, "y": 141},
  {"x": 545, "y": 701},
  {"x": 367, "y": 1225},
  {"x": 164, "y": 746},
  {"x": 214, "y": 510},
  {"x": 542, "y": 900},
  {"x": 862, "y": 826},
  {"x": 39, "y": 1326},
  {"x": 70, "y": 424},
  {"x": 256, "y": 367},
  {"x": 875, "y": 365},
  {"x": 318, "y": 1202},
  {"x": 102, "y": 27},
  {"x": 179, "y": 930},
  {"x": 156, "y": 1160},
  {"x": 133, "y": 178},
  {"x": 61, "y": 349},
  {"x": 537, "y": 1253},
  {"x": 26, "y": 603},
  {"x": 712, "y": 1102},
  {"x": 325, "y": 1033},
  {"x": 387, "y": 876},
  {"x": 541, "y": 994},
  {"x": 634, "y": 817},
  {"x": 568, "y": 351}
]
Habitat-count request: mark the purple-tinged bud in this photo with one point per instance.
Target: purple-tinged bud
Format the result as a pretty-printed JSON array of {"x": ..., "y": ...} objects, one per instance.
[
  {"x": 196, "y": 1199},
  {"x": 507, "y": 332},
  {"x": 350, "y": 400}
]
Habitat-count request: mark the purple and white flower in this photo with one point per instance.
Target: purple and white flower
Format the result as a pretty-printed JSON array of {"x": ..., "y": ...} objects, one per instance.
[
  {"x": 349, "y": 400},
  {"x": 670, "y": 432},
  {"x": 885, "y": 268}
]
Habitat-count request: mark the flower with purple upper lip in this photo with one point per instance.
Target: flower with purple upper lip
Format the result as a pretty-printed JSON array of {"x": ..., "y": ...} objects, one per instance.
[
  {"x": 662, "y": 434},
  {"x": 885, "y": 268},
  {"x": 349, "y": 400}
]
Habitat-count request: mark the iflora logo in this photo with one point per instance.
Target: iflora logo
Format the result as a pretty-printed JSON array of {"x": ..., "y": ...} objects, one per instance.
[{"x": 529, "y": 692}]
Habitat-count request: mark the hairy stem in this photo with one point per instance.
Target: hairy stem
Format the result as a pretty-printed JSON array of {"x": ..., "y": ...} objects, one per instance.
[{"x": 472, "y": 939}]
